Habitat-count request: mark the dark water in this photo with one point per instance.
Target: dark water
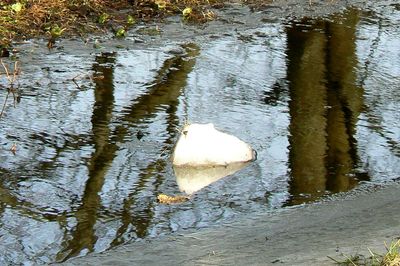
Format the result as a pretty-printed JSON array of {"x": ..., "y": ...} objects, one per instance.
[{"x": 318, "y": 100}]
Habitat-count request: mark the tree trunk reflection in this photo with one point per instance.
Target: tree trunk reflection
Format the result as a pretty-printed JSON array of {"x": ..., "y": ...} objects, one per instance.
[{"x": 324, "y": 107}]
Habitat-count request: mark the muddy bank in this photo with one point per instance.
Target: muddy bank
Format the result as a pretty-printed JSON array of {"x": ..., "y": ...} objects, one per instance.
[
  {"x": 305, "y": 235},
  {"x": 237, "y": 17}
]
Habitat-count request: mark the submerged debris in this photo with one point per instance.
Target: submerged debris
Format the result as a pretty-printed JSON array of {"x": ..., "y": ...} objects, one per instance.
[{"x": 165, "y": 199}]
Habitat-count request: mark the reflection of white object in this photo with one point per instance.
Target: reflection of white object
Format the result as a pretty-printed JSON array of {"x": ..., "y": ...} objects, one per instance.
[
  {"x": 203, "y": 145},
  {"x": 192, "y": 179}
]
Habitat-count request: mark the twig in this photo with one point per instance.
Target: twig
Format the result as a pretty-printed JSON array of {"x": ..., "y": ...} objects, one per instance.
[
  {"x": 338, "y": 262},
  {"x": 81, "y": 76},
  {"x": 4, "y": 105},
  {"x": 76, "y": 83},
  {"x": 6, "y": 70},
  {"x": 11, "y": 81},
  {"x": 16, "y": 72}
]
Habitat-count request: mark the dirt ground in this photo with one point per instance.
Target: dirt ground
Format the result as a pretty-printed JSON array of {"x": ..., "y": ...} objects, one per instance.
[{"x": 348, "y": 224}]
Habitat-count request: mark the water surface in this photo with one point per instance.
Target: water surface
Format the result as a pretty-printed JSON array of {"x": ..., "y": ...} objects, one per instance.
[{"x": 94, "y": 129}]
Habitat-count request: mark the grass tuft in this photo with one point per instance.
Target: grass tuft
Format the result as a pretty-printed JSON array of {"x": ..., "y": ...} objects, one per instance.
[{"x": 390, "y": 258}]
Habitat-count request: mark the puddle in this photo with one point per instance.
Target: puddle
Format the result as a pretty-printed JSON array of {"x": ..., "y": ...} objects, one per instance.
[{"x": 94, "y": 130}]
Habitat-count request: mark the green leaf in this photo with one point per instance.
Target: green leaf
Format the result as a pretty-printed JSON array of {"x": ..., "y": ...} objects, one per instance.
[
  {"x": 161, "y": 4},
  {"x": 103, "y": 18},
  {"x": 17, "y": 7},
  {"x": 56, "y": 31},
  {"x": 130, "y": 20},
  {"x": 187, "y": 11},
  {"x": 120, "y": 33}
]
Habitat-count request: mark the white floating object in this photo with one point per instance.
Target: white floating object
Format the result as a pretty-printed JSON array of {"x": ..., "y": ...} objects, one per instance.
[{"x": 203, "y": 145}]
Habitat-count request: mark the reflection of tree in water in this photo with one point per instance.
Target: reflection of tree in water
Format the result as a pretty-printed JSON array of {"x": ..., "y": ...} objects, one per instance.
[
  {"x": 164, "y": 91},
  {"x": 274, "y": 95},
  {"x": 83, "y": 236},
  {"x": 345, "y": 100},
  {"x": 306, "y": 74},
  {"x": 324, "y": 107}
]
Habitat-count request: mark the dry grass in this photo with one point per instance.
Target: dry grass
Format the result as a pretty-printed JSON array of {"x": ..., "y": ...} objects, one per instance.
[
  {"x": 28, "y": 18},
  {"x": 390, "y": 258},
  {"x": 34, "y": 17}
]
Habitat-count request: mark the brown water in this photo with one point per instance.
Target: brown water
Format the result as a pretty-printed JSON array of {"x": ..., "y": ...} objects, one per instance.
[{"x": 318, "y": 100}]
